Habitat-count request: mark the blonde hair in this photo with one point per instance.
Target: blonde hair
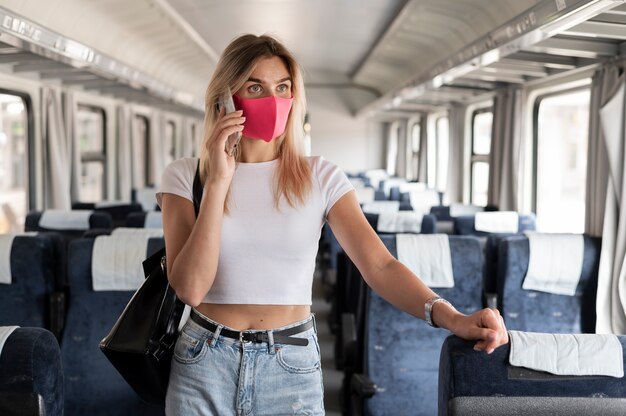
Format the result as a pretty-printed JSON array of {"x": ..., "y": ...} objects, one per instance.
[{"x": 293, "y": 175}]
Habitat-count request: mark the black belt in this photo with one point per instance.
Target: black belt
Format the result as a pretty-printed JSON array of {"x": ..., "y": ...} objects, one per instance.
[{"x": 280, "y": 337}]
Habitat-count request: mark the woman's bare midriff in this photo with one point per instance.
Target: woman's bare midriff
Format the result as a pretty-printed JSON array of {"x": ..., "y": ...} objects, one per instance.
[{"x": 245, "y": 317}]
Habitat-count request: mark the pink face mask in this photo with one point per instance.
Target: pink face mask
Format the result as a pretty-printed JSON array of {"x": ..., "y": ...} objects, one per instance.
[{"x": 266, "y": 117}]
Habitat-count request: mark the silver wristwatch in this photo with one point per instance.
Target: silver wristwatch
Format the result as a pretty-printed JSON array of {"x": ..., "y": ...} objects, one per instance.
[{"x": 428, "y": 310}]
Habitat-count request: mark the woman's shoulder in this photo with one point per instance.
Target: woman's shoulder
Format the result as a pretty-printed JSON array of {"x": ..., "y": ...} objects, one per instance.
[
  {"x": 185, "y": 166},
  {"x": 319, "y": 164}
]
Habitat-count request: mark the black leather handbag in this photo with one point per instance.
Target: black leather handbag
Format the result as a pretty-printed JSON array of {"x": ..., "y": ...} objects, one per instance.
[{"x": 141, "y": 343}]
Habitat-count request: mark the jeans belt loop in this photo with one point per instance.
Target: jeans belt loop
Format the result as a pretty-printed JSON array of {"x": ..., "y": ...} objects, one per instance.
[
  {"x": 216, "y": 335},
  {"x": 270, "y": 342}
]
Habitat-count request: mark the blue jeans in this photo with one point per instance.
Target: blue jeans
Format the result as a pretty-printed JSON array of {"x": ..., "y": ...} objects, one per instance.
[{"x": 215, "y": 375}]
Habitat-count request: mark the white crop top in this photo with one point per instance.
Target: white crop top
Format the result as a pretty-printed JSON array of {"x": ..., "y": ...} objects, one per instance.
[{"x": 267, "y": 257}]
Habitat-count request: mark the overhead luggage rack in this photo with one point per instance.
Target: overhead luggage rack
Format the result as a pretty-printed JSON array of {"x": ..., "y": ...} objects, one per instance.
[
  {"x": 33, "y": 48},
  {"x": 551, "y": 37}
]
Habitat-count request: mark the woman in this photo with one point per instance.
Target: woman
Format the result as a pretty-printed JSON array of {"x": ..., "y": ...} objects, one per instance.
[{"x": 246, "y": 263}]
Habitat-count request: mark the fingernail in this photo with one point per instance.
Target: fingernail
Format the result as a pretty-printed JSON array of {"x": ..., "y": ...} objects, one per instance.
[
  {"x": 490, "y": 351},
  {"x": 476, "y": 348}
]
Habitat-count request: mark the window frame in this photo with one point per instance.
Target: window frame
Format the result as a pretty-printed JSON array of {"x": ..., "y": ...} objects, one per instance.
[
  {"x": 88, "y": 157},
  {"x": 31, "y": 172},
  {"x": 476, "y": 158},
  {"x": 535, "y": 130}
]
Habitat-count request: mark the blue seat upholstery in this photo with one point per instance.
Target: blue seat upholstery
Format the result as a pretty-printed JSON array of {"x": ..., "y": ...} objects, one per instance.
[
  {"x": 30, "y": 365},
  {"x": 118, "y": 213},
  {"x": 464, "y": 225},
  {"x": 96, "y": 220},
  {"x": 92, "y": 385},
  {"x": 401, "y": 352},
  {"x": 441, "y": 212},
  {"x": 379, "y": 195},
  {"x": 530, "y": 310},
  {"x": 490, "y": 280},
  {"x": 136, "y": 220},
  {"x": 26, "y": 301},
  {"x": 475, "y": 383}
]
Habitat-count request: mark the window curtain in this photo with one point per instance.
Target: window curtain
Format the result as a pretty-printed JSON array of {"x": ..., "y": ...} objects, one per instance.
[
  {"x": 506, "y": 150},
  {"x": 422, "y": 164},
  {"x": 56, "y": 169},
  {"x": 603, "y": 83},
  {"x": 454, "y": 187},
  {"x": 411, "y": 173},
  {"x": 392, "y": 148},
  {"x": 157, "y": 147},
  {"x": 123, "y": 163},
  {"x": 611, "y": 297},
  {"x": 187, "y": 142},
  {"x": 70, "y": 111},
  {"x": 138, "y": 153},
  {"x": 401, "y": 149}
]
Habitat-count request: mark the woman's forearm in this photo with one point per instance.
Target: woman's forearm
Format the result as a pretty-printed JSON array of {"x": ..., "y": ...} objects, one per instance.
[
  {"x": 398, "y": 285},
  {"x": 193, "y": 271}
]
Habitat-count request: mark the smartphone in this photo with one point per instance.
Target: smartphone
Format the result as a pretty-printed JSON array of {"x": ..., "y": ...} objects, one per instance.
[{"x": 227, "y": 103}]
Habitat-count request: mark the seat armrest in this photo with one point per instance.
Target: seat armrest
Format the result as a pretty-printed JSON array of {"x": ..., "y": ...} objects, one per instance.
[
  {"x": 491, "y": 300},
  {"x": 348, "y": 341},
  {"x": 21, "y": 404},
  {"x": 57, "y": 313},
  {"x": 362, "y": 386}
]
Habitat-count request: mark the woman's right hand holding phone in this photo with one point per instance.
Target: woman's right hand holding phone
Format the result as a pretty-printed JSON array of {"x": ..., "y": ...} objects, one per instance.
[{"x": 223, "y": 165}]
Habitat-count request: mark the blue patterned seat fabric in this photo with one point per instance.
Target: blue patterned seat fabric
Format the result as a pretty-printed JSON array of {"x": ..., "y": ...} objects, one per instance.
[
  {"x": 473, "y": 382},
  {"x": 92, "y": 385},
  {"x": 402, "y": 352},
  {"x": 30, "y": 366},
  {"x": 534, "y": 311},
  {"x": 118, "y": 213},
  {"x": 25, "y": 302},
  {"x": 136, "y": 220}
]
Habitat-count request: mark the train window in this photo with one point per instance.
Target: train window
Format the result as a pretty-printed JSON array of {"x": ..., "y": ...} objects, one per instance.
[
  {"x": 481, "y": 146},
  {"x": 414, "y": 149},
  {"x": 141, "y": 151},
  {"x": 561, "y": 122},
  {"x": 13, "y": 163},
  {"x": 170, "y": 142},
  {"x": 442, "y": 136},
  {"x": 91, "y": 143}
]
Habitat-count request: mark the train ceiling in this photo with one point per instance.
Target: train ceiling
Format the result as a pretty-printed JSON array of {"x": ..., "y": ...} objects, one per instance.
[{"x": 382, "y": 55}]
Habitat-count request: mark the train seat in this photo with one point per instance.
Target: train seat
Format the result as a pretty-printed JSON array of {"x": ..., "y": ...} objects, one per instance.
[
  {"x": 92, "y": 385},
  {"x": 406, "y": 223},
  {"x": 475, "y": 383},
  {"x": 70, "y": 224},
  {"x": 466, "y": 224},
  {"x": 400, "y": 353},
  {"x": 29, "y": 281},
  {"x": 31, "y": 375},
  {"x": 118, "y": 210},
  {"x": 540, "y": 311},
  {"x": 150, "y": 219}
]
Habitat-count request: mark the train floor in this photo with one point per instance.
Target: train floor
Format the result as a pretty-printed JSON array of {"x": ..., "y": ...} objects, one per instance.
[{"x": 332, "y": 377}]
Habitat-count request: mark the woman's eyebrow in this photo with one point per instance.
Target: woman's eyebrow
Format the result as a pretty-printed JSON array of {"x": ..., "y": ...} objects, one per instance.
[{"x": 263, "y": 82}]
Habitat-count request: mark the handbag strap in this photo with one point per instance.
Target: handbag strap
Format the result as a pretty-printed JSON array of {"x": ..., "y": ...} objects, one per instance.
[{"x": 197, "y": 190}]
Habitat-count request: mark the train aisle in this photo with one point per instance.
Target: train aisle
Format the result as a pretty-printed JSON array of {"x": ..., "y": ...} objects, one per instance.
[{"x": 332, "y": 377}]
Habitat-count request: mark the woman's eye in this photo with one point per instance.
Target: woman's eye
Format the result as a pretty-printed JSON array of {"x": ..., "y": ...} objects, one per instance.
[
  {"x": 254, "y": 89},
  {"x": 282, "y": 88}
]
